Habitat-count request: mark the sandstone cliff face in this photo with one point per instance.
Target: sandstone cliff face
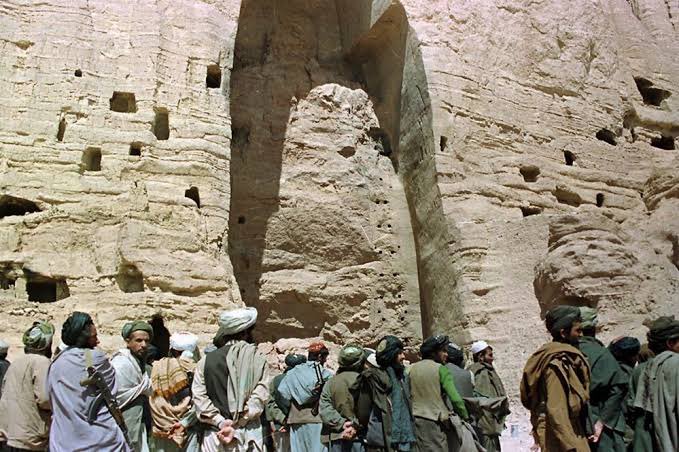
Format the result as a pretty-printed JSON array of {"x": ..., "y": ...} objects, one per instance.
[{"x": 352, "y": 168}]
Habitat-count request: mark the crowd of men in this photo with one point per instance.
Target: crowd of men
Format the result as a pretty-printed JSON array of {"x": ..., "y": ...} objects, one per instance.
[{"x": 159, "y": 394}]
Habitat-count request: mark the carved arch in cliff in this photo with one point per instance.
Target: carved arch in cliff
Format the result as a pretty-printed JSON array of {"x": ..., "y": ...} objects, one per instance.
[{"x": 378, "y": 50}]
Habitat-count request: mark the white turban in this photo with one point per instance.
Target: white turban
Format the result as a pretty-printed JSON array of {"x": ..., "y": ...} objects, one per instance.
[
  {"x": 479, "y": 346},
  {"x": 183, "y": 342},
  {"x": 237, "y": 320},
  {"x": 4, "y": 346}
]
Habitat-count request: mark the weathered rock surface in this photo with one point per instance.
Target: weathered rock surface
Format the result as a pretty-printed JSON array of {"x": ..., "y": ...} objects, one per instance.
[{"x": 352, "y": 168}]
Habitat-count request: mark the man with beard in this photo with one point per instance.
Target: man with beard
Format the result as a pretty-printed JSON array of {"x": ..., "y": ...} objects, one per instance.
[
  {"x": 24, "y": 407},
  {"x": 488, "y": 385},
  {"x": 432, "y": 391},
  {"x": 383, "y": 400},
  {"x": 174, "y": 418},
  {"x": 657, "y": 394},
  {"x": 230, "y": 386},
  {"x": 608, "y": 386},
  {"x": 277, "y": 410},
  {"x": 134, "y": 382},
  {"x": 71, "y": 401},
  {"x": 555, "y": 385},
  {"x": 340, "y": 425}
]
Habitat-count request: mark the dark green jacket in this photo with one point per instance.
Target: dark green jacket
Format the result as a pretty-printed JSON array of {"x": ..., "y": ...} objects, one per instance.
[
  {"x": 487, "y": 383},
  {"x": 275, "y": 409},
  {"x": 607, "y": 391},
  {"x": 337, "y": 405}
]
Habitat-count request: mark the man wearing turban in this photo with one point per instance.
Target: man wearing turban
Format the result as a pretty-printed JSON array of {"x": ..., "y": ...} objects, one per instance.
[
  {"x": 607, "y": 389},
  {"x": 488, "y": 385},
  {"x": 133, "y": 377},
  {"x": 174, "y": 418},
  {"x": 301, "y": 390},
  {"x": 277, "y": 410},
  {"x": 340, "y": 423},
  {"x": 383, "y": 400},
  {"x": 230, "y": 386},
  {"x": 24, "y": 407},
  {"x": 555, "y": 385},
  {"x": 432, "y": 391},
  {"x": 71, "y": 401},
  {"x": 626, "y": 351},
  {"x": 657, "y": 393}
]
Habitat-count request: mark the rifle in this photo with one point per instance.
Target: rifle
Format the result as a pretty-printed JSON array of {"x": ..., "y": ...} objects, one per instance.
[{"x": 102, "y": 395}]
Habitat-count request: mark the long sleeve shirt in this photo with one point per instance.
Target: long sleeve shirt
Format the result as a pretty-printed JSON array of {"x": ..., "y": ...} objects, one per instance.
[
  {"x": 448, "y": 385},
  {"x": 208, "y": 413}
]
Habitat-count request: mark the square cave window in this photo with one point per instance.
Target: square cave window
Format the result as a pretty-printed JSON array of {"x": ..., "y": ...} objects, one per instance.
[
  {"x": 91, "y": 160},
  {"x": 123, "y": 102},
  {"x": 135, "y": 149},
  {"x": 214, "y": 76},
  {"x": 44, "y": 289},
  {"x": 161, "y": 124}
]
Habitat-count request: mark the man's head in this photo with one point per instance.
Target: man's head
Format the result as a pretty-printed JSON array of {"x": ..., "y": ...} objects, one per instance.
[
  {"x": 390, "y": 353},
  {"x": 4, "y": 349},
  {"x": 625, "y": 350},
  {"x": 564, "y": 324},
  {"x": 293, "y": 360},
  {"x": 589, "y": 320},
  {"x": 317, "y": 351},
  {"x": 38, "y": 339},
  {"x": 482, "y": 353},
  {"x": 455, "y": 355},
  {"x": 235, "y": 325},
  {"x": 138, "y": 336},
  {"x": 435, "y": 348},
  {"x": 79, "y": 331},
  {"x": 184, "y": 344},
  {"x": 351, "y": 357},
  {"x": 663, "y": 335}
]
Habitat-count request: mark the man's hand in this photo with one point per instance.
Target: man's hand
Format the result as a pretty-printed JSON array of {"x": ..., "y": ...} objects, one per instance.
[
  {"x": 226, "y": 432},
  {"x": 598, "y": 429},
  {"x": 349, "y": 432}
]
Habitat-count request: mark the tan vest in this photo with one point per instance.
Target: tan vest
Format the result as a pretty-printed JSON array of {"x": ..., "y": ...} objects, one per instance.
[{"x": 426, "y": 391}]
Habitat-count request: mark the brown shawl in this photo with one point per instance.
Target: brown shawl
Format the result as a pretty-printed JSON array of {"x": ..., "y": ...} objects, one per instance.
[{"x": 168, "y": 377}]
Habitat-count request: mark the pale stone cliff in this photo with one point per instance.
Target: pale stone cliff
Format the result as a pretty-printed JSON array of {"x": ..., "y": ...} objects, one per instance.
[{"x": 351, "y": 167}]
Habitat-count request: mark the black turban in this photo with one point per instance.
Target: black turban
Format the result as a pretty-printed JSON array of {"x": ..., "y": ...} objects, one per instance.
[
  {"x": 663, "y": 329},
  {"x": 455, "y": 354},
  {"x": 433, "y": 344},
  {"x": 75, "y": 330},
  {"x": 624, "y": 347},
  {"x": 293, "y": 360},
  {"x": 561, "y": 317},
  {"x": 387, "y": 351}
]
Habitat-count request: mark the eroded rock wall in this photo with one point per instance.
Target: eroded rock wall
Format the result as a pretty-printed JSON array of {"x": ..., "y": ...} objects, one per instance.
[{"x": 352, "y": 168}]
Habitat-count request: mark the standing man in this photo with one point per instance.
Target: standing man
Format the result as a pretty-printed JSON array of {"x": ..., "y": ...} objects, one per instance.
[
  {"x": 463, "y": 378},
  {"x": 383, "y": 400},
  {"x": 72, "y": 402},
  {"x": 301, "y": 390},
  {"x": 4, "y": 364},
  {"x": 230, "y": 386},
  {"x": 432, "y": 387},
  {"x": 657, "y": 394},
  {"x": 626, "y": 351},
  {"x": 607, "y": 389},
  {"x": 340, "y": 424},
  {"x": 25, "y": 407},
  {"x": 276, "y": 408},
  {"x": 555, "y": 385},
  {"x": 174, "y": 418},
  {"x": 487, "y": 383},
  {"x": 134, "y": 382}
]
